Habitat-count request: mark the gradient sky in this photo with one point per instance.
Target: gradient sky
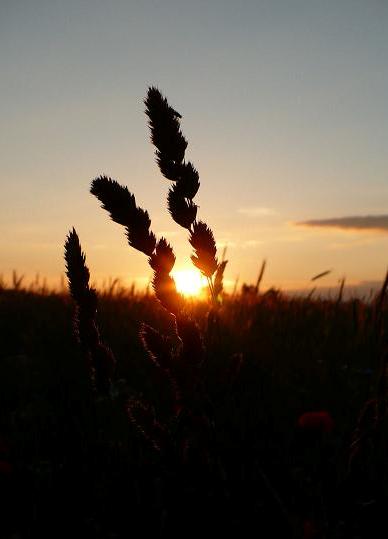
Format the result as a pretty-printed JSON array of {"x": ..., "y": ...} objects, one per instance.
[{"x": 284, "y": 104}]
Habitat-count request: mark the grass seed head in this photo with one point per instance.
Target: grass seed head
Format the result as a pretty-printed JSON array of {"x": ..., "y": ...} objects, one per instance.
[
  {"x": 166, "y": 292},
  {"x": 181, "y": 209},
  {"x": 115, "y": 199},
  {"x": 122, "y": 208},
  {"x": 163, "y": 259},
  {"x": 164, "y": 123},
  {"x": 204, "y": 245}
]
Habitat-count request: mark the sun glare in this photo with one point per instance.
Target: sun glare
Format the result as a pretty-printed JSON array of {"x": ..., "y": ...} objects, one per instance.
[{"x": 189, "y": 282}]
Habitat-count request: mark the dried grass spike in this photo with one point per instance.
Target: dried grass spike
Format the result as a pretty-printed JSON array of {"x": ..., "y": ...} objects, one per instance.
[
  {"x": 157, "y": 346},
  {"x": 183, "y": 173},
  {"x": 182, "y": 210},
  {"x": 218, "y": 278},
  {"x": 142, "y": 416},
  {"x": 76, "y": 269},
  {"x": 114, "y": 198},
  {"x": 204, "y": 245},
  {"x": 163, "y": 259},
  {"x": 99, "y": 358},
  {"x": 121, "y": 205},
  {"x": 188, "y": 179},
  {"x": 165, "y": 126},
  {"x": 138, "y": 233},
  {"x": 166, "y": 292}
]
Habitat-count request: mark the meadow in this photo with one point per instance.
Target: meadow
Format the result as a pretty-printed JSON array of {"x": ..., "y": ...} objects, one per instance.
[
  {"x": 72, "y": 460},
  {"x": 128, "y": 413}
]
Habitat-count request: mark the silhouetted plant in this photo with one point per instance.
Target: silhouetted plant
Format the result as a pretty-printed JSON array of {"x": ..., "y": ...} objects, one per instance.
[
  {"x": 121, "y": 205},
  {"x": 167, "y": 137},
  {"x": 142, "y": 416},
  {"x": 100, "y": 360},
  {"x": 218, "y": 279},
  {"x": 122, "y": 208}
]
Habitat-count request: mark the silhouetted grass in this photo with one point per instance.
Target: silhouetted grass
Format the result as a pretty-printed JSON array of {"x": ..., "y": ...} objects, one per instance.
[{"x": 80, "y": 462}]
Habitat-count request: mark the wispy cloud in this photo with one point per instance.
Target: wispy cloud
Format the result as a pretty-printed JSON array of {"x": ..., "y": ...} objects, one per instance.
[
  {"x": 356, "y": 222},
  {"x": 255, "y": 211}
]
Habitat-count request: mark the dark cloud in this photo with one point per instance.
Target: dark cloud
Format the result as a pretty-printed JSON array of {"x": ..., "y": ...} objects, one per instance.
[{"x": 365, "y": 222}]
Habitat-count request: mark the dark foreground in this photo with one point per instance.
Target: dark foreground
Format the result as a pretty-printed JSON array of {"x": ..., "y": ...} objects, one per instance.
[{"x": 270, "y": 444}]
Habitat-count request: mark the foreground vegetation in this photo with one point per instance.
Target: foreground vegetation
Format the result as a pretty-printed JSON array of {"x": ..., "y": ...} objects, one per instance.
[{"x": 76, "y": 462}]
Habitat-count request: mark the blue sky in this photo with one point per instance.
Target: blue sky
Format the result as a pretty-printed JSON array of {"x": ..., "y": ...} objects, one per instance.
[{"x": 284, "y": 104}]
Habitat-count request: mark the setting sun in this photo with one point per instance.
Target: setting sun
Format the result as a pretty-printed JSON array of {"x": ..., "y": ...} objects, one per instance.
[{"x": 189, "y": 282}]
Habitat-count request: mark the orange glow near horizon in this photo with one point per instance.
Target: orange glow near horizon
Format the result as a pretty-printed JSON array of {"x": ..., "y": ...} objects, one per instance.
[{"x": 189, "y": 282}]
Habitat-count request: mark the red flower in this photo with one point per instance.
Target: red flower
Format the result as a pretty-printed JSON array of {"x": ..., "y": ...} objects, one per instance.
[
  {"x": 4, "y": 446},
  {"x": 309, "y": 530},
  {"x": 5, "y": 467},
  {"x": 316, "y": 422}
]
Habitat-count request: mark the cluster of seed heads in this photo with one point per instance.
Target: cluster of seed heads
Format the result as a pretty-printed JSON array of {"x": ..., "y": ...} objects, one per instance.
[
  {"x": 171, "y": 145},
  {"x": 121, "y": 205}
]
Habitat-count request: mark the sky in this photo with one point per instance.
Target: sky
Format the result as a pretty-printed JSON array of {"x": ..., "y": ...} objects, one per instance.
[{"x": 284, "y": 105}]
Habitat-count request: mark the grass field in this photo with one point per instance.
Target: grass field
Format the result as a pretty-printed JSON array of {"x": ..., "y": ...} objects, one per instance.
[{"x": 239, "y": 454}]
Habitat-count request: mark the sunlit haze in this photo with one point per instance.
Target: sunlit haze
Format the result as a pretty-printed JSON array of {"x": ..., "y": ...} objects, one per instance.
[
  {"x": 284, "y": 105},
  {"x": 189, "y": 282}
]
